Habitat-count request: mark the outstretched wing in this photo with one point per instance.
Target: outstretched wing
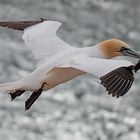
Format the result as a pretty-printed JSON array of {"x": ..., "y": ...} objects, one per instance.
[
  {"x": 19, "y": 25},
  {"x": 41, "y": 37},
  {"x": 115, "y": 75},
  {"x": 119, "y": 81},
  {"x": 43, "y": 40}
]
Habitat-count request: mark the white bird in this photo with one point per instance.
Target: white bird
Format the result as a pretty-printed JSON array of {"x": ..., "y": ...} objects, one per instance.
[{"x": 59, "y": 62}]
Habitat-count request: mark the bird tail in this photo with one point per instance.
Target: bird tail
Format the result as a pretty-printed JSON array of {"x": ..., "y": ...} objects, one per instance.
[{"x": 11, "y": 86}]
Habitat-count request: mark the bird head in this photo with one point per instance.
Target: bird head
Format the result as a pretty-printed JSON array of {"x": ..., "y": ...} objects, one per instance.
[{"x": 115, "y": 47}]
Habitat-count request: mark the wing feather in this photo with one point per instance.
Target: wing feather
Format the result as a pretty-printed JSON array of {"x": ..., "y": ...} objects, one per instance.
[
  {"x": 19, "y": 25},
  {"x": 43, "y": 41},
  {"x": 41, "y": 37},
  {"x": 115, "y": 75},
  {"x": 123, "y": 83}
]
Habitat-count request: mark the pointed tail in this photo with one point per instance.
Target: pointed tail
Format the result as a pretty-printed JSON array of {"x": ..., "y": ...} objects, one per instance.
[{"x": 11, "y": 86}]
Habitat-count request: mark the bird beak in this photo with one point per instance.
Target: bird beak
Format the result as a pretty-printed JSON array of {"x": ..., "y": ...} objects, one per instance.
[{"x": 130, "y": 52}]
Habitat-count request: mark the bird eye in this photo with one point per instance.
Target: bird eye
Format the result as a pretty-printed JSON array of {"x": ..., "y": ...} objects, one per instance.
[{"x": 122, "y": 49}]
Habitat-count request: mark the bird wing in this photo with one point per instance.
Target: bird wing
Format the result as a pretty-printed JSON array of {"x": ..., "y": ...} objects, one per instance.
[
  {"x": 19, "y": 25},
  {"x": 43, "y": 40},
  {"x": 119, "y": 81},
  {"x": 41, "y": 37},
  {"x": 115, "y": 75}
]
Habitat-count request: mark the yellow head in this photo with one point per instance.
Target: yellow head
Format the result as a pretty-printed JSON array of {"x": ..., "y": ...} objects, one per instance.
[{"x": 114, "y": 47}]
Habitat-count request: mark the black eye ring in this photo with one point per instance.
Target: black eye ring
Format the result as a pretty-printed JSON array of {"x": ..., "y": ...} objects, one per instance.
[{"x": 123, "y": 49}]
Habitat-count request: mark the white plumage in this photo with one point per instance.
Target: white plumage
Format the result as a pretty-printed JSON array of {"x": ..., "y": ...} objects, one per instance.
[
  {"x": 50, "y": 52},
  {"x": 58, "y": 61}
]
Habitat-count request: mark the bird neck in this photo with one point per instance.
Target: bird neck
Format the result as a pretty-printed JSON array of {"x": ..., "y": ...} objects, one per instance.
[{"x": 93, "y": 51}]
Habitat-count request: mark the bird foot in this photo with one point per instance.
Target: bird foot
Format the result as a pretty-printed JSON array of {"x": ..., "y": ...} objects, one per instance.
[
  {"x": 15, "y": 94},
  {"x": 34, "y": 96}
]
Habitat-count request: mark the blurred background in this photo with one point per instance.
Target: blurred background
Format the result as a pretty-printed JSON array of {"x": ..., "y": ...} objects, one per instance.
[{"x": 79, "y": 109}]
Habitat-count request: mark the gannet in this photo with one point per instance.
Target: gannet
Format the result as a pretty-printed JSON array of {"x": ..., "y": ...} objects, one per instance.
[{"x": 58, "y": 62}]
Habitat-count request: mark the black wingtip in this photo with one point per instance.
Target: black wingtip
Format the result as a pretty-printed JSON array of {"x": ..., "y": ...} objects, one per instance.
[
  {"x": 119, "y": 81},
  {"x": 117, "y": 96},
  {"x": 20, "y": 25}
]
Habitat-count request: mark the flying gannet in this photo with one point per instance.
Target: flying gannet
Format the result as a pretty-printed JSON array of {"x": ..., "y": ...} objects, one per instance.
[{"x": 58, "y": 62}]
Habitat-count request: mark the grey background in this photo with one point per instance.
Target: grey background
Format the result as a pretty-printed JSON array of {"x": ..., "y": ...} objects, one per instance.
[{"x": 79, "y": 109}]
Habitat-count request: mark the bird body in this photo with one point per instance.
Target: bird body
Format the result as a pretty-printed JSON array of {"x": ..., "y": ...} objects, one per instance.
[{"x": 58, "y": 62}]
